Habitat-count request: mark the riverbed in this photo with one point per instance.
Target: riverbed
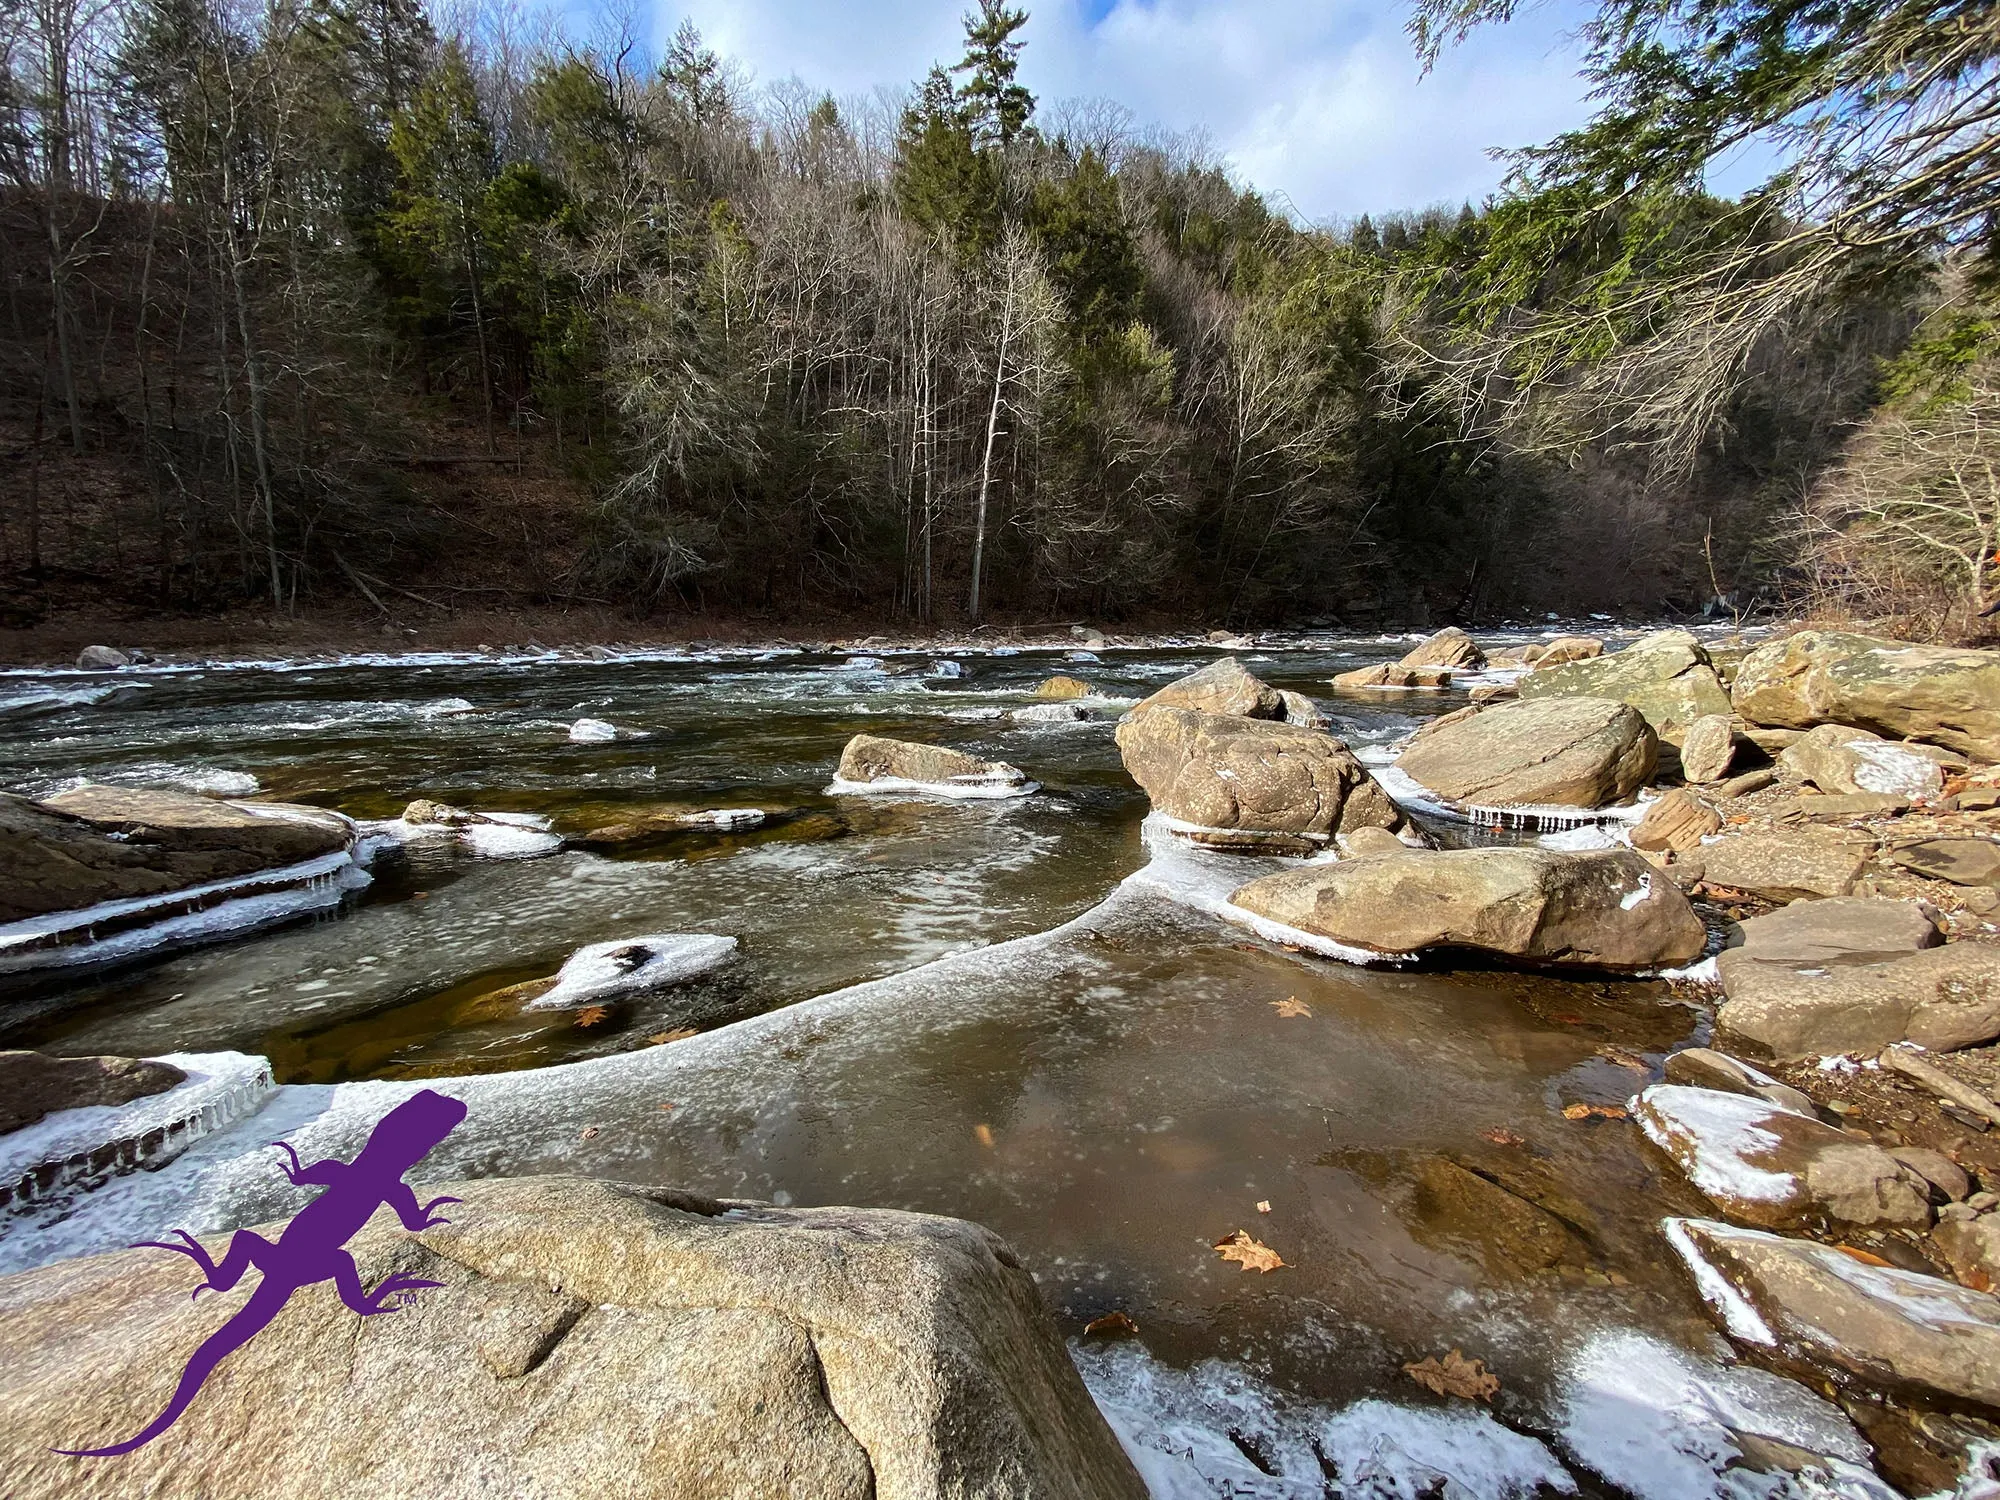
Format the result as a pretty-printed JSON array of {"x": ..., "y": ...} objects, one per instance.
[{"x": 1017, "y": 1011}]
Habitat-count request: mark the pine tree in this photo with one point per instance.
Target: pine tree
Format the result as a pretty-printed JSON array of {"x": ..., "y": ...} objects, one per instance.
[{"x": 997, "y": 107}]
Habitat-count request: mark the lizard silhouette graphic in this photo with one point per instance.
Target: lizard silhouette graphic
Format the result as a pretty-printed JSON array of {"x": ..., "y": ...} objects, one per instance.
[{"x": 310, "y": 1248}]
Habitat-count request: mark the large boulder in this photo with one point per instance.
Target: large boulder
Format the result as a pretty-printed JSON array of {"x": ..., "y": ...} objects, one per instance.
[
  {"x": 1393, "y": 674},
  {"x": 33, "y": 1084},
  {"x": 1855, "y": 975},
  {"x": 1060, "y": 687},
  {"x": 1562, "y": 650},
  {"x": 1817, "y": 1303},
  {"x": 1450, "y": 647},
  {"x": 102, "y": 659},
  {"x": 1605, "y": 909},
  {"x": 1708, "y": 748},
  {"x": 94, "y": 844},
  {"x": 1667, "y": 676},
  {"x": 1940, "y": 694},
  {"x": 1843, "y": 761},
  {"x": 587, "y": 1339},
  {"x": 1250, "y": 783},
  {"x": 1778, "y": 1168},
  {"x": 872, "y": 760},
  {"x": 1570, "y": 752},
  {"x": 1224, "y": 686}
]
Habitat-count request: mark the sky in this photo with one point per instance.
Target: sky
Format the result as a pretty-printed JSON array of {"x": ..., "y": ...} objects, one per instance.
[{"x": 1319, "y": 104}]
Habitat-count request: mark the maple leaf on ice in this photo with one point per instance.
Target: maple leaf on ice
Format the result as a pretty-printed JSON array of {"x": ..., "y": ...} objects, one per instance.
[
  {"x": 591, "y": 1015},
  {"x": 1291, "y": 1005},
  {"x": 1113, "y": 1325},
  {"x": 1248, "y": 1253},
  {"x": 1455, "y": 1375}
]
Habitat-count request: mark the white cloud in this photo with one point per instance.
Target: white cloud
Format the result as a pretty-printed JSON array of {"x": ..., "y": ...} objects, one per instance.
[{"x": 1315, "y": 101}]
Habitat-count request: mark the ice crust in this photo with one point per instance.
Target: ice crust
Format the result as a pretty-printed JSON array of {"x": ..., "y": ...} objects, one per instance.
[
  {"x": 634, "y": 965},
  {"x": 1723, "y": 1134},
  {"x": 967, "y": 791}
]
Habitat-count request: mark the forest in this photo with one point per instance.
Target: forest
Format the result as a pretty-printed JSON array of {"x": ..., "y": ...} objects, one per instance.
[{"x": 322, "y": 303}]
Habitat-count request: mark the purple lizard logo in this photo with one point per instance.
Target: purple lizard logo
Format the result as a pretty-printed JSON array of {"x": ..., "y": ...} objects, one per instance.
[{"x": 310, "y": 1250}]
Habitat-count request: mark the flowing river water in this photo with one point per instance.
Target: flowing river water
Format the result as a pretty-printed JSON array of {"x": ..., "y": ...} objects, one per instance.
[{"x": 993, "y": 1009}]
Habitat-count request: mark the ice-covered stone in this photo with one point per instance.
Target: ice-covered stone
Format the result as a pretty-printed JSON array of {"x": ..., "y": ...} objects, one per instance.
[{"x": 632, "y": 966}]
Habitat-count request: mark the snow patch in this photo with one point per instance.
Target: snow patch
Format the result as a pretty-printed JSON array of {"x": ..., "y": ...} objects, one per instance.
[
  {"x": 631, "y": 966},
  {"x": 592, "y": 732}
]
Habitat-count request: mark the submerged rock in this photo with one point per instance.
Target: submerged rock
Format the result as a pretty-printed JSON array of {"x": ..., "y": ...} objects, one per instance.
[
  {"x": 1842, "y": 761},
  {"x": 872, "y": 761},
  {"x": 1222, "y": 687},
  {"x": 633, "y": 966},
  {"x": 1667, "y": 676},
  {"x": 1775, "y": 1167},
  {"x": 1818, "y": 1304},
  {"x": 1513, "y": 1235},
  {"x": 1605, "y": 909},
  {"x": 33, "y": 1084},
  {"x": 585, "y": 1338},
  {"x": 1251, "y": 783},
  {"x": 1940, "y": 694},
  {"x": 1569, "y": 752},
  {"x": 95, "y": 844}
]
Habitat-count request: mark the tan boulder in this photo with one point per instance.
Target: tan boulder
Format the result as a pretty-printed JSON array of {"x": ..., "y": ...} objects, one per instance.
[
  {"x": 1844, "y": 761},
  {"x": 1391, "y": 674},
  {"x": 1799, "y": 1299},
  {"x": 1778, "y": 1168},
  {"x": 1225, "y": 686},
  {"x": 1302, "y": 711},
  {"x": 1236, "y": 782},
  {"x": 873, "y": 759},
  {"x": 1563, "y": 650},
  {"x": 1677, "y": 821},
  {"x": 1571, "y": 752},
  {"x": 1059, "y": 688},
  {"x": 1604, "y": 909},
  {"x": 1940, "y": 694},
  {"x": 1708, "y": 748},
  {"x": 1971, "y": 1248},
  {"x": 588, "y": 1338},
  {"x": 1667, "y": 676},
  {"x": 1449, "y": 647}
]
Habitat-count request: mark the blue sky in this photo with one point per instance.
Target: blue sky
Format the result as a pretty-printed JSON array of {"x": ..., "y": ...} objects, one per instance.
[{"x": 1317, "y": 102}]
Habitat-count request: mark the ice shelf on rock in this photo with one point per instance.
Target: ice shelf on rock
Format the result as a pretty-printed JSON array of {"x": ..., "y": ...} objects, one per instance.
[
  {"x": 65, "y": 1152},
  {"x": 632, "y": 966},
  {"x": 592, "y": 732}
]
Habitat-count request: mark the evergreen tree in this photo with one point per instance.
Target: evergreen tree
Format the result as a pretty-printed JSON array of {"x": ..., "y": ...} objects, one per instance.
[{"x": 996, "y": 106}]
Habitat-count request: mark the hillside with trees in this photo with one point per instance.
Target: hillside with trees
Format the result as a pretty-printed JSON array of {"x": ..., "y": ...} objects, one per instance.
[{"x": 349, "y": 304}]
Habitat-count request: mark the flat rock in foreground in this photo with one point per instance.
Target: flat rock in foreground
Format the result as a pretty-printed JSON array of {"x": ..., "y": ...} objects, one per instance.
[
  {"x": 1817, "y": 1304},
  {"x": 1764, "y": 1164},
  {"x": 1855, "y": 975},
  {"x": 1944, "y": 695},
  {"x": 1236, "y": 782},
  {"x": 94, "y": 844},
  {"x": 589, "y": 1339},
  {"x": 1605, "y": 910},
  {"x": 1566, "y": 752}
]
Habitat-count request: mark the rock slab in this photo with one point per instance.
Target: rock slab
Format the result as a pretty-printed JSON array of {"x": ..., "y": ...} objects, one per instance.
[
  {"x": 1605, "y": 909},
  {"x": 1568, "y": 752},
  {"x": 1939, "y": 694},
  {"x": 1667, "y": 676},
  {"x": 588, "y": 1339},
  {"x": 33, "y": 1084}
]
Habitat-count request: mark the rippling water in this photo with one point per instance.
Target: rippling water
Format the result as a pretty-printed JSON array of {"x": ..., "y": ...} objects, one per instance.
[{"x": 1114, "y": 1096}]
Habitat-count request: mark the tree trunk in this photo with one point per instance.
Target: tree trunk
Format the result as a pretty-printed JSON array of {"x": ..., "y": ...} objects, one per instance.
[{"x": 986, "y": 462}]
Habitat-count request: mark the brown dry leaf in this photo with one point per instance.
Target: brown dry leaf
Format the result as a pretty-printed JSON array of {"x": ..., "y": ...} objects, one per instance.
[
  {"x": 1500, "y": 1135},
  {"x": 1455, "y": 1375},
  {"x": 591, "y": 1015},
  {"x": 1625, "y": 1057},
  {"x": 1291, "y": 1005},
  {"x": 1866, "y": 1257},
  {"x": 984, "y": 1135},
  {"x": 678, "y": 1034},
  {"x": 1595, "y": 1111},
  {"x": 1113, "y": 1325},
  {"x": 592, "y": 1132},
  {"x": 1248, "y": 1253}
]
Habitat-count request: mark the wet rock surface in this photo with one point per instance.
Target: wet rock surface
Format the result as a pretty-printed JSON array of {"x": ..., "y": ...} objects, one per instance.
[
  {"x": 1575, "y": 752},
  {"x": 587, "y": 1338}
]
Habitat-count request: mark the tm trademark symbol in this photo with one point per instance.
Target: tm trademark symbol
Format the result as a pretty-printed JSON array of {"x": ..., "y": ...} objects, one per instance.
[{"x": 404, "y": 1299}]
